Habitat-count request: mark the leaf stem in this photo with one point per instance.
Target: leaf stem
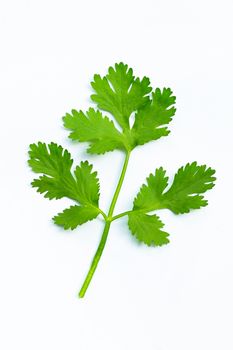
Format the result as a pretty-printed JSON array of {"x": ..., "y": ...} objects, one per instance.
[
  {"x": 103, "y": 214},
  {"x": 144, "y": 210},
  {"x": 95, "y": 260},
  {"x": 108, "y": 220},
  {"x": 118, "y": 216},
  {"x": 119, "y": 185}
]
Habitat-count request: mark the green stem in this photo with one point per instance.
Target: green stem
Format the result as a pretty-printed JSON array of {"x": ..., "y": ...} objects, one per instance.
[
  {"x": 119, "y": 185},
  {"x": 144, "y": 210},
  {"x": 118, "y": 216},
  {"x": 95, "y": 260},
  {"x": 108, "y": 221},
  {"x": 102, "y": 213}
]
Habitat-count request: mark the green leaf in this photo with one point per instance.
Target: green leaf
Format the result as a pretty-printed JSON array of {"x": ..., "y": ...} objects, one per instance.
[
  {"x": 58, "y": 181},
  {"x": 189, "y": 182},
  {"x": 96, "y": 129},
  {"x": 183, "y": 195},
  {"x": 120, "y": 93},
  {"x": 150, "y": 196},
  {"x": 74, "y": 216},
  {"x": 51, "y": 160},
  {"x": 54, "y": 188},
  {"x": 87, "y": 187},
  {"x": 150, "y": 121},
  {"x": 147, "y": 229},
  {"x": 55, "y": 163}
]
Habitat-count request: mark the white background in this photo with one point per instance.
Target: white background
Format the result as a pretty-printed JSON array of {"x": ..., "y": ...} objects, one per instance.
[{"x": 178, "y": 297}]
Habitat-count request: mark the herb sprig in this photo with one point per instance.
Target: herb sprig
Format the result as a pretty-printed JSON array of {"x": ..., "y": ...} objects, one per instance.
[{"x": 120, "y": 94}]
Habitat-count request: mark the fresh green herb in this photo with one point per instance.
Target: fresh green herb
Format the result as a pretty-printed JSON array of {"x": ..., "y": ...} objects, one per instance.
[{"x": 120, "y": 94}]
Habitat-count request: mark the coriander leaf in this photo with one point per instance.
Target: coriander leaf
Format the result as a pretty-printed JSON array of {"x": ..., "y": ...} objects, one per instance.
[
  {"x": 150, "y": 196},
  {"x": 58, "y": 181},
  {"x": 147, "y": 229},
  {"x": 96, "y": 129},
  {"x": 183, "y": 195},
  {"x": 55, "y": 163},
  {"x": 150, "y": 121},
  {"x": 188, "y": 183},
  {"x": 120, "y": 93},
  {"x": 50, "y": 160},
  {"x": 87, "y": 187},
  {"x": 76, "y": 215},
  {"x": 53, "y": 188}
]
